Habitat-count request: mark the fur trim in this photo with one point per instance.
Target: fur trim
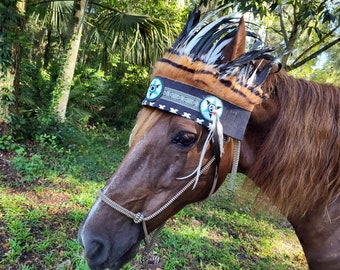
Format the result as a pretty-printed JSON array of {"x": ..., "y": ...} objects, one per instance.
[{"x": 206, "y": 77}]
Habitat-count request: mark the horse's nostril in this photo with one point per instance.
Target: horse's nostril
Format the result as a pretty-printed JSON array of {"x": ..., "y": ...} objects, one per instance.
[
  {"x": 94, "y": 249},
  {"x": 96, "y": 252}
]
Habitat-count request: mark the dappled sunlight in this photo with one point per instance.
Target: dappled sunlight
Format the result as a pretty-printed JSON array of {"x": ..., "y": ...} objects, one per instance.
[
  {"x": 286, "y": 244},
  {"x": 213, "y": 236}
]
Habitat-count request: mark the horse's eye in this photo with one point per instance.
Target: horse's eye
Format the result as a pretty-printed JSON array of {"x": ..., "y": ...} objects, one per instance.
[{"x": 185, "y": 139}]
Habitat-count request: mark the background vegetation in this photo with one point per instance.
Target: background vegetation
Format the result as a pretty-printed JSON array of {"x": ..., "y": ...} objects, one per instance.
[{"x": 66, "y": 109}]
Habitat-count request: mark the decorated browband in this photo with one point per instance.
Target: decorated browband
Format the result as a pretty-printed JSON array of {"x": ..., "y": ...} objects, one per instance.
[{"x": 197, "y": 105}]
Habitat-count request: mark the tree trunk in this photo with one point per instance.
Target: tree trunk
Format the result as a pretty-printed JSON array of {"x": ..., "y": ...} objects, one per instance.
[
  {"x": 14, "y": 22},
  {"x": 17, "y": 54},
  {"x": 62, "y": 90},
  {"x": 47, "y": 48}
]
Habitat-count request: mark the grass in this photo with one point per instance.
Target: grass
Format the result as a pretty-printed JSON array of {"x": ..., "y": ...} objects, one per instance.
[
  {"x": 46, "y": 192},
  {"x": 209, "y": 235}
]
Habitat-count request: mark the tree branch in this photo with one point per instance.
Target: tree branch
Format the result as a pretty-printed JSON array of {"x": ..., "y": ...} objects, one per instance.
[
  {"x": 283, "y": 29},
  {"x": 313, "y": 55},
  {"x": 315, "y": 44}
]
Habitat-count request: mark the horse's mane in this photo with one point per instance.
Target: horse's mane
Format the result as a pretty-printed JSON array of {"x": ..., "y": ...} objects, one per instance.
[{"x": 297, "y": 166}]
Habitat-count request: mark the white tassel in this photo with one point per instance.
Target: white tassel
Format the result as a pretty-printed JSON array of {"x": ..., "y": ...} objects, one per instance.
[
  {"x": 212, "y": 190},
  {"x": 197, "y": 171},
  {"x": 219, "y": 135}
]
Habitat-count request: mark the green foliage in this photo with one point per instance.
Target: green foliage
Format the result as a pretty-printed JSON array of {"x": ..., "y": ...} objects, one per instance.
[
  {"x": 42, "y": 213},
  {"x": 111, "y": 100},
  {"x": 8, "y": 20},
  {"x": 11, "y": 42},
  {"x": 34, "y": 236},
  {"x": 5, "y": 55},
  {"x": 289, "y": 24},
  {"x": 50, "y": 149},
  {"x": 7, "y": 143},
  {"x": 36, "y": 92},
  {"x": 88, "y": 97},
  {"x": 139, "y": 31},
  {"x": 129, "y": 86},
  {"x": 7, "y": 99},
  {"x": 31, "y": 167}
]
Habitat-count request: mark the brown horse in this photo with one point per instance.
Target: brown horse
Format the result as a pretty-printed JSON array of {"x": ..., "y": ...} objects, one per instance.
[{"x": 290, "y": 150}]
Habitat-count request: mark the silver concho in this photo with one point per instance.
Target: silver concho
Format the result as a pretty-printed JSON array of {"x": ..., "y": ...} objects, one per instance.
[
  {"x": 210, "y": 105},
  {"x": 155, "y": 90}
]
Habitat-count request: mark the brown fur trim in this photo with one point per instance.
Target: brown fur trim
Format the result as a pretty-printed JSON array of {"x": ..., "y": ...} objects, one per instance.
[{"x": 205, "y": 77}]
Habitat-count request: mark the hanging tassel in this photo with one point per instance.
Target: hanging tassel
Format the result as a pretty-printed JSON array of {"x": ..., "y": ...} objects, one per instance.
[
  {"x": 212, "y": 190},
  {"x": 197, "y": 171},
  {"x": 218, "y": 139},
  {"x": 216, "y": 135}
]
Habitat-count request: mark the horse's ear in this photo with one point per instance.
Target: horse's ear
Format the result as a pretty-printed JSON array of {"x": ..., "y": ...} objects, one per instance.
[{"x": 236, "y": 47}]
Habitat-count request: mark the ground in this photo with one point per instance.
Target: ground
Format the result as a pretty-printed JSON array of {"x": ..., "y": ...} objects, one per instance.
[{"x": 52, "y": 200}]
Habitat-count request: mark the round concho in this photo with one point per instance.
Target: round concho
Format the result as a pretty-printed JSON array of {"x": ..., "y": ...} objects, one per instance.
[
  {"x": 155, "y": 89},
  {"x": 210, "y": 105}
]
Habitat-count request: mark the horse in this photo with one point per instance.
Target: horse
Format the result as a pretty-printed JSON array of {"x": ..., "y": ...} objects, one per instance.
[{"x": 289, "y": 130}]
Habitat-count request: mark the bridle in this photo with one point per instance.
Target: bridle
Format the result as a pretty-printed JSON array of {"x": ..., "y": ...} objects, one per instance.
[{"x": 140, "y": 218}]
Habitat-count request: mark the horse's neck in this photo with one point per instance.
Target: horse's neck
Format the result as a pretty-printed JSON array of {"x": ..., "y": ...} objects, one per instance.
[
  {"x": 319, "y": 235},
  {"x": 319, "y": 230},
  {"x": 262, "y": 119}
]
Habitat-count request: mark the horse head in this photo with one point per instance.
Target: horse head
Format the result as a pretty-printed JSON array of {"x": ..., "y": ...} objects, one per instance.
[{"x": 181, "y": 149}]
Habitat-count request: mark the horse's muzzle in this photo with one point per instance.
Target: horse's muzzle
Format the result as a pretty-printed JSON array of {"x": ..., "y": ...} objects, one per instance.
[{"x": 101, "y": 253}]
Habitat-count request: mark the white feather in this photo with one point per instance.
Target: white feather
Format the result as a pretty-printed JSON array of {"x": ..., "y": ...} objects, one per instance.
[
  {"x": 219, "y": 130},
  {"x": 215, "y": 52},
  {"x": 192, "y": 43}
]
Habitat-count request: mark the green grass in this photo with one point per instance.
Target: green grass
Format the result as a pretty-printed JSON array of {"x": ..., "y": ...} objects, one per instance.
[
  {"x": 46, "y": 192},
  {"x": 210, "y": 236}
]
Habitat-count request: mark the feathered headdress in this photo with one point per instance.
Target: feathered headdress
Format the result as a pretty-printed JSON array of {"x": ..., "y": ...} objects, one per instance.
[
  {"x": 206, "y": 69},
  {"x": 208, "y": 77}
]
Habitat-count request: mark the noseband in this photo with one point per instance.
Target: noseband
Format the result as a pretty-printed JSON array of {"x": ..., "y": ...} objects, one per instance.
[{"x": 139, "y": 217}]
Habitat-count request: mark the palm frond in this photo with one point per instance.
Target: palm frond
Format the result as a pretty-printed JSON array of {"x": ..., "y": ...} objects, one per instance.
[{"x": 138, "y": 38}]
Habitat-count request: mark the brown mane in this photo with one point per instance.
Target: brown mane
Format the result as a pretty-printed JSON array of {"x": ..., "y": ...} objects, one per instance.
[{"x": 297, "y": 165}]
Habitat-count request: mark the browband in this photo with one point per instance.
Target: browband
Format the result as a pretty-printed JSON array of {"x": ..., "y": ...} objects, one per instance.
[{"x": 197, "y": 105}]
